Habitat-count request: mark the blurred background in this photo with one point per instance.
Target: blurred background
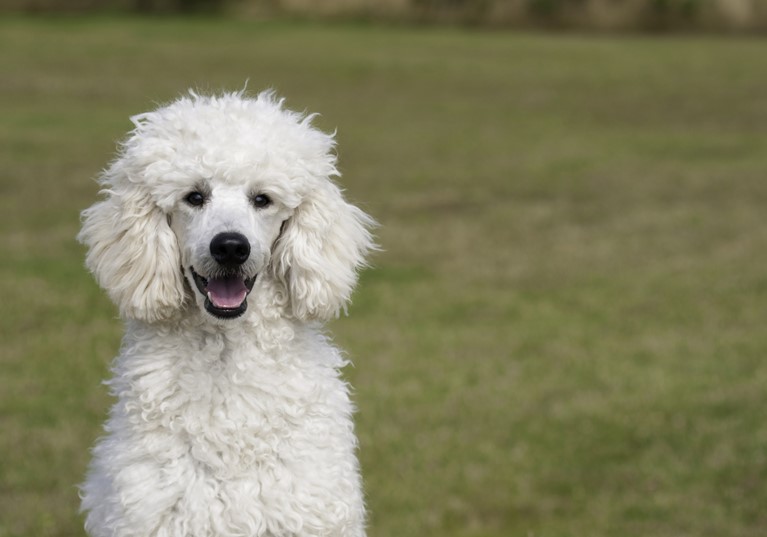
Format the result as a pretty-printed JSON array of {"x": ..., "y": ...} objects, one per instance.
[
  {"x": 564, "y": 332},
  {"x": 612, "y": 15}
]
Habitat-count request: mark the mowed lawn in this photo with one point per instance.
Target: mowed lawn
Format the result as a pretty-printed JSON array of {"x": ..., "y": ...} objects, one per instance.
[{"x": 564, "y": 334}]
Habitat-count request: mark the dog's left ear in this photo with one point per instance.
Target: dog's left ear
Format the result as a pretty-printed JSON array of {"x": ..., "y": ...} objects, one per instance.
[
  {"x": 320, "y": 250},
  {"x": 132, "y": 251}
]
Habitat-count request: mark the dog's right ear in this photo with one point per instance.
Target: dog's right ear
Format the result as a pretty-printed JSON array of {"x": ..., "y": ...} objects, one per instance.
[{"x": 132, "y": 251}]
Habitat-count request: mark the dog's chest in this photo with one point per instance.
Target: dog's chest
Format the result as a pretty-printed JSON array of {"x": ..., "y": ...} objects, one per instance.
[
  {"x": 262, "y": 443},
  {"x": 238, "y": 410}
]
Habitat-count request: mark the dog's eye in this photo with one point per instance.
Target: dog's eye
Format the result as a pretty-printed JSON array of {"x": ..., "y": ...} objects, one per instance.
[
  {"x": 195, "y": 198},
  {"x": 261, "y": 200}
]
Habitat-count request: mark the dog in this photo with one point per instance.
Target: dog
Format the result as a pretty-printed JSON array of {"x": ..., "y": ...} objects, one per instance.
[{"x": 226, "y": 244}]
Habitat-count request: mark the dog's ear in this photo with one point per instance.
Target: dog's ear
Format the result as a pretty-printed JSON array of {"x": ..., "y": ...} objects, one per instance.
[
  {"x": 320, "y": 250},
  {"x": 132, "y": 251}
]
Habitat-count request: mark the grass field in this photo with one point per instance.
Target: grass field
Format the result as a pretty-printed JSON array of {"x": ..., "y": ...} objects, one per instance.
[{"x": 564, "y": 334}]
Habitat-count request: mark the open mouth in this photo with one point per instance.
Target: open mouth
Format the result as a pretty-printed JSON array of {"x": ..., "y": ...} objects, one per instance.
[{"x": 226, "y": 297}]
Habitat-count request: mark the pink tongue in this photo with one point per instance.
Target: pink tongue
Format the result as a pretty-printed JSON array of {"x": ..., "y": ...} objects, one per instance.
[{"x": 226, "y": 292}]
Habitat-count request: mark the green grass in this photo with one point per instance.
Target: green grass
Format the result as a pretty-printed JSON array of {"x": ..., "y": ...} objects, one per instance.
[{"x": 564, "y": 334}]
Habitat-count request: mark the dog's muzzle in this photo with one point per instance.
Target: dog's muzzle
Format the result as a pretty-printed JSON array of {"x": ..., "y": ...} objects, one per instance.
[{"x": 226, "y": 291}]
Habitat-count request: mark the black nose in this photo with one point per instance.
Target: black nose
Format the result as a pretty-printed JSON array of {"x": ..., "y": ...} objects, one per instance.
[{"x": 230, "y": 249}]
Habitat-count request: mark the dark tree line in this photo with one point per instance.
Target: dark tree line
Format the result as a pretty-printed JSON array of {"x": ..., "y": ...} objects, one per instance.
[{"x": 179, "y": 6}]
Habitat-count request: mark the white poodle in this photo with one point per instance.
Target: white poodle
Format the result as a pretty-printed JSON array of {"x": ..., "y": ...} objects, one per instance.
[{"x": 225, "y": 244}]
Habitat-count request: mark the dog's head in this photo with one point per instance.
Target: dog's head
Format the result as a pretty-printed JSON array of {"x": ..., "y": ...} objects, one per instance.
[{"x": 210, "y": 195}]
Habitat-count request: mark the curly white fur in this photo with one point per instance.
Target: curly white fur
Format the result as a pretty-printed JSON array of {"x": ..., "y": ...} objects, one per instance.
[{"x": 225, "y": 426}]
